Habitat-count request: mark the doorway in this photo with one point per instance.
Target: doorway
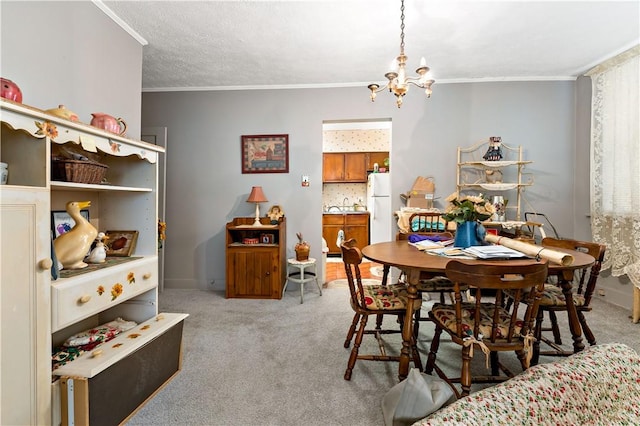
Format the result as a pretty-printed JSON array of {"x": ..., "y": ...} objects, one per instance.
[{"x": 365, "y": 138}]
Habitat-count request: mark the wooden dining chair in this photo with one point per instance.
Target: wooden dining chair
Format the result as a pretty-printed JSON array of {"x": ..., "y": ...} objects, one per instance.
[
  {"x": 553, "y": 300},
  {"x": 484, "y": 323},
  {"x": 369, "y": 300},
  {"x": 427, "y": 222},
  {"x": 429, "y": 283}
]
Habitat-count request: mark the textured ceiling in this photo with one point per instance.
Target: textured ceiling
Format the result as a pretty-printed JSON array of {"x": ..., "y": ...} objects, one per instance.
[{"x": 247, "y": 44}]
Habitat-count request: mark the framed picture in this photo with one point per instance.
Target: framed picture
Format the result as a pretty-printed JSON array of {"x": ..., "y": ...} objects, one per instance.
[
  {"x": 266, "y": 238},
  {"x": 62, "y": 223},
  {"x": 121, "y": 243},
  {"x": 265, "y": 154}
]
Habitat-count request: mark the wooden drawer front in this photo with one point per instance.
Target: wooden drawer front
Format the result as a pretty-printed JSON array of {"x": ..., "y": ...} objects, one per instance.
[
  {"x": 107, "y": 389},
  {"x": 73, "y": 299},
  {"x": 333, "y": 219},
  {"x": 357, "y": 219}
]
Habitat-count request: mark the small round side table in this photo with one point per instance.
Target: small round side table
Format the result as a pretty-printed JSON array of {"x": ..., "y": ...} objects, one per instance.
[{"x": 301, "y": 271}]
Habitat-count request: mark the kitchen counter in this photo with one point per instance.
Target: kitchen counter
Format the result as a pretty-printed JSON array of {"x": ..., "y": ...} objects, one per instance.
[{"x": 346, "y": 212}]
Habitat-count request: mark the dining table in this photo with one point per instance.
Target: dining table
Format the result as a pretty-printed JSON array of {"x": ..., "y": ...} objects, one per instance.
[{"x": 401, "y": 254}]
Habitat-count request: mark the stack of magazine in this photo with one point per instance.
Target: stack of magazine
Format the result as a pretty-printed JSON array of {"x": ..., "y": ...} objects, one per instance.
[
  {"x": 490, "y": 252},
  {"x": 431, "y": 245},
  {"x": 493, "y": 252}
]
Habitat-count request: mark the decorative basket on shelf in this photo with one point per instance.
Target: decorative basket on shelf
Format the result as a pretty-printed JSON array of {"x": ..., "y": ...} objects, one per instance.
[{"x": 77, "y": 171}]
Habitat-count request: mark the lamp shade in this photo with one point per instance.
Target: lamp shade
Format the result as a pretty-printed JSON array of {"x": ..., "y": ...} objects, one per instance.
[{"x": 257, "y": 196}]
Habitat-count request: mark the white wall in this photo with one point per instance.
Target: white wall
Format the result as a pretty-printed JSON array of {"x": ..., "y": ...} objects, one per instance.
[
  {"x": 206, "y": 188},
  {"x": 71, "y": 53}
]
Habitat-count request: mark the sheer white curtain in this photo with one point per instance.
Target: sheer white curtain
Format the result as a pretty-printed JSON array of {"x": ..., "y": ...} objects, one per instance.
[{"x": 615, "y": 162}]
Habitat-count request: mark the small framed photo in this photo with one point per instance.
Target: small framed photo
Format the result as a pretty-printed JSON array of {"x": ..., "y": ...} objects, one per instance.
[
  {"x": 265, "y": 153},
  {"x": 266, "y": 238},
  {"x": 121, "y": 243},
  {"x": 62, "y": 223}
]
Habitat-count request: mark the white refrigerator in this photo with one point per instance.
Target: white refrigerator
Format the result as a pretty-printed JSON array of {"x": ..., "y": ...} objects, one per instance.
[{"x": 379, "y": 206}]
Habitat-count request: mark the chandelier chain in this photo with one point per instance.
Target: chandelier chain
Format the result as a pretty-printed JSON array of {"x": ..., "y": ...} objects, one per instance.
[{"x": 402, "y": 28}]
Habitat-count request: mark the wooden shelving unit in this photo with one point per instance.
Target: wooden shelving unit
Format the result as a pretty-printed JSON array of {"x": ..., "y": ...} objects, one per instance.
[{"x": 504, "y": 177}]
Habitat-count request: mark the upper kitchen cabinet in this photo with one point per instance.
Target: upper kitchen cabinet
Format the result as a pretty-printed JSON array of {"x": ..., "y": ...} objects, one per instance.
[
  {"x": 377, "y": 158},
  {"x": 344, "y": 167}
]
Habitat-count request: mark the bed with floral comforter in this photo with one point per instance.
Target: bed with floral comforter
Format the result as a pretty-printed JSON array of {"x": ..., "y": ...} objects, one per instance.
[{"x": 598, "y": 386}]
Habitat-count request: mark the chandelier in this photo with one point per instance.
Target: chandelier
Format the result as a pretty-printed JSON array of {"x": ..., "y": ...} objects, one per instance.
[{"x": 398, "y": 83}]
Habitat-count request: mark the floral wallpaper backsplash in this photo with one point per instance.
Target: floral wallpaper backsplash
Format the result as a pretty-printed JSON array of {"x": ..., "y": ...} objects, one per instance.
[
  {"x": 356, "y": 140},
  {"x": 334, "y": 194}
]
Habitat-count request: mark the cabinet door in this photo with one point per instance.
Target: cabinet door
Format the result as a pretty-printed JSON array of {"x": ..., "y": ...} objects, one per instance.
[
  {"x": 253, "y": 272},
  {"x": 357, "y": 226},
  {"x": 355, "y": 167},
  {"x": 25, "y": 248},
  {"x": 376, "y": 157},
  {"x": 333, "y": 167},
  {"x": 331, "y": 226},
  {"x": 330, "y": 234}
]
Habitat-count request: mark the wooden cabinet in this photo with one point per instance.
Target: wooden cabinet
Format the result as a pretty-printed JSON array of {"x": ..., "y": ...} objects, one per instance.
[
  {"x": 504, "y": 177},
  {"x": 376, "y": 157},
  {"x": 344, "y": 167},
  {"x": 40, "y": 312},
  {"x": 256, "y": 259},
  {"x": 354, "y": 225}
]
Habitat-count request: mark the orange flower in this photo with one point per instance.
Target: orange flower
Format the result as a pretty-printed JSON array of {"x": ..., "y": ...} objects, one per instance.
[
  {"x": 116, "y": 291},
  {"x": 100, "y": 290},
  {"x": 47, "y": 129},
  {"x": 131, "y": 277}
]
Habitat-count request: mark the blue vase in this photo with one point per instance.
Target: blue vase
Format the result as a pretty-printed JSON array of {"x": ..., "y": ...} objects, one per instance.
[{"x": 469, "y": 234}]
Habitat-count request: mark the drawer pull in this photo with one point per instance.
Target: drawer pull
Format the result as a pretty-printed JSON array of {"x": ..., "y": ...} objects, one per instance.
[
  {"x": 45, "y": 264},
  {"x": 96, "y": 353},
  {"x": 146, "y": 276},
  {"x": 85, "y": 298}
]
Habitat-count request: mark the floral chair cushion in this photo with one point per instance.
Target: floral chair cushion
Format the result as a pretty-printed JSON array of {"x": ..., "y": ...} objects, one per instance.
[
  {"x": 446, "y": 314},
  {"x": 389, "y": 297},
  {"x": 552, "y": 296},
  {"x": 598, "y": 386},
  {"x": 435, "y": 284}
]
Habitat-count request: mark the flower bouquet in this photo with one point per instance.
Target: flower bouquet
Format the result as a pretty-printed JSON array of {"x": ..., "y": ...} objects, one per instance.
[
  {"x": 466, "y": 211},
  {"x": 468, "y": 208}
]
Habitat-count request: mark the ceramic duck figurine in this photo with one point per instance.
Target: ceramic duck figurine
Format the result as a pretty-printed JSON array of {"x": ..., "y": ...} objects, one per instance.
[
  {"x": 99, "y": 252},
  {"x": 72, "y": 247}
]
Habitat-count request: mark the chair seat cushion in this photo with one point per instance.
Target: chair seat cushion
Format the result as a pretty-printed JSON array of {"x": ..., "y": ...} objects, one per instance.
[
  {"x": 435, "y": 284},
  {"x": 446, "y": 315},
  {"x": 387, "y": 298},
  {"x": 552, "y": 296}
]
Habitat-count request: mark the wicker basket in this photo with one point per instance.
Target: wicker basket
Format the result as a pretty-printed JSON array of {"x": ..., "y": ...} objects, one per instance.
[{"x": 77, "y": 171}]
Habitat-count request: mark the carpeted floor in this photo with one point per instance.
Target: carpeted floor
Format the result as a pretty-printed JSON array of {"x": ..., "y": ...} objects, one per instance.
[
  {"x": 279, "y": 362},
  {"x": 344, "y": 283}
]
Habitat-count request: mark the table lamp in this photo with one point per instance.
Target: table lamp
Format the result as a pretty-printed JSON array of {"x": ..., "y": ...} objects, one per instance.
[{"x": 257, "y": 196}]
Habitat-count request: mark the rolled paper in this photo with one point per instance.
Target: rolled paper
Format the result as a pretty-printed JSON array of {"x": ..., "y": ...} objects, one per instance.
[{"x": 533, "y": 250}]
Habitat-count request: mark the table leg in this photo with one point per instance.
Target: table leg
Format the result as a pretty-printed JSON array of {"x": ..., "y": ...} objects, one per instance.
[
  {"x": 566, "y": 282},
  {"x": 413, "y": 275},
  {"x": 385, "y": 274}
]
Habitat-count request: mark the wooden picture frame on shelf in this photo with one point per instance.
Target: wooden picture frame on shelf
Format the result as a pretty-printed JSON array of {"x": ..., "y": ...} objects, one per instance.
[
  {"x": 267, "y": 238},
  {"x": 121, "y": 243},
  {"x": 61, "y": 222},
  {"x": 265, "y": 153}
]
